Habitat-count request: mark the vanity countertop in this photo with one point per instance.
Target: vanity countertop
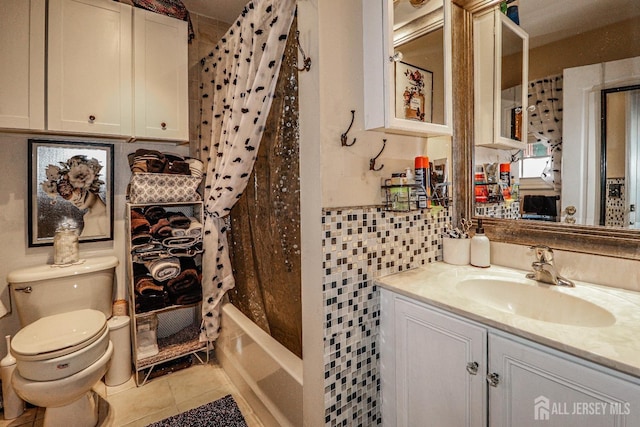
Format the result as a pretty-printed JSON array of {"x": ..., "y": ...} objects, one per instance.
[{"x": 616, "y": 346}]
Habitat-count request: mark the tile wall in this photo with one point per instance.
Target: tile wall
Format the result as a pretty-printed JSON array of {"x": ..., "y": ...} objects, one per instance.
[
  {"x": 360, "y": 244},
  {"x": 615, "y": 203},
  {"x": 509, "y": 210}
]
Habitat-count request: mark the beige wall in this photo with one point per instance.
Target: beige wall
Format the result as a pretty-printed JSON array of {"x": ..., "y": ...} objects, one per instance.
[
  {"x": 609, "y": 43},
  {"x": 616, "y": 134}
]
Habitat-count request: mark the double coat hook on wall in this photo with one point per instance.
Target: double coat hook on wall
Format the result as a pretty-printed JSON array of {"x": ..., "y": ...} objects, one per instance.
[
  {"x": 372, "y": 162},
  {"x": 306, "y": 62},
  {"x": 344, "y": 137}
]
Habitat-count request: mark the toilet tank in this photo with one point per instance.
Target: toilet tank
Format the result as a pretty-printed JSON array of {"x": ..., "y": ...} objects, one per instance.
[{"x": 46, "y": 290}]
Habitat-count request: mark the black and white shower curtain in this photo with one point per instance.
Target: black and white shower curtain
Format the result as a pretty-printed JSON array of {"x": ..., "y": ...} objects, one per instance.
[
  {"x": 545, "y": 123},
  {"x": 239, "y": 78}
]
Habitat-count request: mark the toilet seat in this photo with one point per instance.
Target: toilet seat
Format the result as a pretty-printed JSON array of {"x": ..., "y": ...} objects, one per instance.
[{"x": 61, "y": 345}]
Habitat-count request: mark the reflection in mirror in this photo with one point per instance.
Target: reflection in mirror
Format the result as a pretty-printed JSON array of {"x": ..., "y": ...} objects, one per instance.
[
  {"x": 577, "y": 50},
  {"x": 419, "y": 68},
  {"x": 620, "y": 157},
  {"x": 510, "y": 87}
]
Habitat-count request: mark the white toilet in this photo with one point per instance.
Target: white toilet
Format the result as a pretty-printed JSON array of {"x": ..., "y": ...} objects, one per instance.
[{"x": 63, "y": 348}]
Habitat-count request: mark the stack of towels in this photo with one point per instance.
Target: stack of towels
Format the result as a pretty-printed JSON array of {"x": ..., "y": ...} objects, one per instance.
[
  {"x": 152, "y": 161},
  {"x": 164, "y": 249}
]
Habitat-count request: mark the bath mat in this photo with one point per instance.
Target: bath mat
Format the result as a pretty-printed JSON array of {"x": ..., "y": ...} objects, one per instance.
[{"x": 220, "y": 413}]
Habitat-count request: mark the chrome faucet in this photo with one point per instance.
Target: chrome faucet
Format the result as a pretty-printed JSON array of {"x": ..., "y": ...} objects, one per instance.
[{"x": 544, "y": 270}]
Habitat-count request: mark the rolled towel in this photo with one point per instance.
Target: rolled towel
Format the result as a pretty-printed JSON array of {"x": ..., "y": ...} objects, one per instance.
[
  {"x": 180, "y": 241},
  {"x": 139, "y": 225},
  {"x": 140, "y": 238},
  {"x": 145, "y": 285},
  {"x": 195, "y": 228},
  {"x": 163, "y": 269},
  {"x": 145, "y": 303},
  {"x": 187, "y": 282},
  {"x": 178, "y": 232},
  {"x": 187, "y": 252},
  {"x": 148, "y": 252},
  {"x": 188, "y": 299},
  {"x": 195, "y": 166},
  {"x": 154, "y": 213},
  {"x": 178, "y": 220},
  {"x": 161, "y": 229}
]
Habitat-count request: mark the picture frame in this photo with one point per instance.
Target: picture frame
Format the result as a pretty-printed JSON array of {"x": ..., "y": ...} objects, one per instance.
[
  {"x": 414, "y": 92},
  {"x": 70, "y": 185}
]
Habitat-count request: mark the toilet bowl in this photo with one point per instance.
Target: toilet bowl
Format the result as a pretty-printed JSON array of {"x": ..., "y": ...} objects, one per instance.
[
  {"x": 68, "y": 401},
  {"x": 63, "y": 349}
]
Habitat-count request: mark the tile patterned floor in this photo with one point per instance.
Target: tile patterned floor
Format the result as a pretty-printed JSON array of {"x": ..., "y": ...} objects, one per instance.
[{"x": 160, "y": 398}]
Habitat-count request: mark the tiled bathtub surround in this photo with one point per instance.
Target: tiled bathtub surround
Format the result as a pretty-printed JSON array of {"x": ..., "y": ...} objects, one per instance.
[{"x": 360, "y": 244}]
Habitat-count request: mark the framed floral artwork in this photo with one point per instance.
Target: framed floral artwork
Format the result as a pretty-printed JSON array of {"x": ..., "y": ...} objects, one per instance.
[
  {"x": 414, "y": 93},
  {"x": 70, "y": 186}
]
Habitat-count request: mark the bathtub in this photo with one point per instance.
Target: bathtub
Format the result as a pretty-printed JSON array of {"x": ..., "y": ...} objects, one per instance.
[{"x": 267, "y": 374}]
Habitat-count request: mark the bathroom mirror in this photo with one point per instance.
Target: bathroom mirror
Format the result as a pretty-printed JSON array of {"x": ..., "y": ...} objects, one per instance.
[
  {"x": 552, "y": 172},
  {"x": 408, "y": 87},
  {"x": 618, "y": 39}
]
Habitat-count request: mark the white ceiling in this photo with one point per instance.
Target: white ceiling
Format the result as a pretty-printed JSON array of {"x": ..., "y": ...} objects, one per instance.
[{"x": 544, "y": 20}]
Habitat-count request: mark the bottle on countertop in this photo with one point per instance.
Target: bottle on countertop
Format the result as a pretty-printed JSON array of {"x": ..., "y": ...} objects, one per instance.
[
  {"x": 423, "y": 179},
  {"x": 480, "y": 248}
]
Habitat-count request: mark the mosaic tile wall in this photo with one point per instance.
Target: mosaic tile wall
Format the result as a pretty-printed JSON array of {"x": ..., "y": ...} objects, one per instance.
[
  {"x": 499, "y": 210},
  {"x": 360, "y": 244},
  {"x": 615, "y": 204}
]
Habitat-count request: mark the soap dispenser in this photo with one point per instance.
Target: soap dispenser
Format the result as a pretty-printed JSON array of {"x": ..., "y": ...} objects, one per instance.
[{"x": 480, "y": 248}]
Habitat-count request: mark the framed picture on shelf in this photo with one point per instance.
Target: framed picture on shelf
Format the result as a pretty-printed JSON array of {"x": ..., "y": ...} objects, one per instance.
[
  {"x": 414, "y": 93},
  {"x": 70, "y": 185}
]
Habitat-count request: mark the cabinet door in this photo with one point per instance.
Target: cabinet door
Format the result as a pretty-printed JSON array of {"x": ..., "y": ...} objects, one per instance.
[
  {"x": 407, "y": 67},
  {"x": 433, "y": 385},
  {"x": 161, "y": 81},
  {"x": 89, "y": 75},
  {"x": 501, "y": 63},
  {"x": 544, "y": 387},
  {"x": 22, "y": 27}
]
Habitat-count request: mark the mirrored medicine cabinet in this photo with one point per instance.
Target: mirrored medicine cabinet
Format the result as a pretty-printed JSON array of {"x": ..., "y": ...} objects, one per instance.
[
  {"x": 407, "y": 66},
  {"x": 563, "y": 38}
]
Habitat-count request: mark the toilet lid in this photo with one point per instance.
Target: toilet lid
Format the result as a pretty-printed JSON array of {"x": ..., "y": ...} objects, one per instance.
[{"x": 59, "y": 334}]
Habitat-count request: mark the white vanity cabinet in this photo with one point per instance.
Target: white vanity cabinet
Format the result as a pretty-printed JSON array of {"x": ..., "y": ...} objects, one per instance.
[
  {"x": 160, "y": 77},
  {"x": 541, "y": 386},
  {"x": 22, "y": 39},
  {"x": 501, "y": 64},
  {"x": 407, "y": 67},
  {"x": 89, "y": 67},
  {"x": 429, "y": 376},
  {"x": 432, "y": 366}
]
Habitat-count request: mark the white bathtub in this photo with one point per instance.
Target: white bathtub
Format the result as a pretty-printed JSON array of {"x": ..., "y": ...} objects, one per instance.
[{"x": 268, "y": 375}]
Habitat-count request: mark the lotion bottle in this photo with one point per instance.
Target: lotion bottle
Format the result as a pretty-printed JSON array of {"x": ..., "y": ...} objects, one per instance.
[{"x": 480, "y": 248}]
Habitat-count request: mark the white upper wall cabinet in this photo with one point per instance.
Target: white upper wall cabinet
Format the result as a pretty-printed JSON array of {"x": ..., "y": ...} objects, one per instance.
[
  {"x": 161, "y": 80},
  {"x": 22, "y": 27},
  {"x": 501, "y": 64},
  {"x": 407, "y": 67},
  {"x": 89, "y": 74}
]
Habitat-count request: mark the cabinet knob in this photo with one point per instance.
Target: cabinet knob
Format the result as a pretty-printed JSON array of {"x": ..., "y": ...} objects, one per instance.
[
  {"x": 472, "y": 368},
  {"x": 163, "y": 125},
  {"x": 92, "y": 118},
  {"x": 493, "y": 379}
]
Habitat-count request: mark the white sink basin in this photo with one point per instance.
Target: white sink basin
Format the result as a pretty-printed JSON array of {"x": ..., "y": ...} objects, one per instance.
[{"x": 539, "y": 302}]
